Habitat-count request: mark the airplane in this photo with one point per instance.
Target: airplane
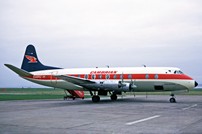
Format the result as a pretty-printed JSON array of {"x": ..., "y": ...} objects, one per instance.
[{"x": 103, "y": 81}]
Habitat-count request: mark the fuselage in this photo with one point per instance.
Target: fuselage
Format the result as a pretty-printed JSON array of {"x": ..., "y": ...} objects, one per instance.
[{"x": 145, "y": 79}]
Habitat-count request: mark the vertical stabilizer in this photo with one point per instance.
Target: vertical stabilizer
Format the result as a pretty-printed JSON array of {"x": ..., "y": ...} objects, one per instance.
[{"x": 31, "y": 62}]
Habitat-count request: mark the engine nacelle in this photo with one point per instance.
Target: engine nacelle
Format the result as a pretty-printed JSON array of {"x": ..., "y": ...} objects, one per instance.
[
  {"x": 125, "y": 87},
  {"x": 111, "y": 85}
]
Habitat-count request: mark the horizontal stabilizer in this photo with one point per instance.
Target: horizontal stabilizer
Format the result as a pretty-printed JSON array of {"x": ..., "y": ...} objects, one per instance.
[{"x": 19, "y": 71}]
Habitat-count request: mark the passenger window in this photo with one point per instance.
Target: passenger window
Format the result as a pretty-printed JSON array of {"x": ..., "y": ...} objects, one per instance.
[
  {"x": 129, "y": 76},
  {"x": 121, "y": 76},
  {"x": 156, "y": 76},
  {"x": 115, "y": 76},
  {"x": 93, "y": 76},
  {"x": 107, "y": 76},
  {"x": 79, "y": 76},
  {"x": 100, "y": 76},
  {"x": 147, "y": 76},
  {"x": 86, "y": 76}
]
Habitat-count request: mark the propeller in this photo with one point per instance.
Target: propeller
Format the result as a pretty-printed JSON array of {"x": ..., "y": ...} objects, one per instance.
[{"x": 132, "y": 85}]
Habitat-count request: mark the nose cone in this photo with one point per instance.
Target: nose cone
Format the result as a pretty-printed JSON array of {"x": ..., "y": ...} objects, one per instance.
[{"x": 196, "y": 84}]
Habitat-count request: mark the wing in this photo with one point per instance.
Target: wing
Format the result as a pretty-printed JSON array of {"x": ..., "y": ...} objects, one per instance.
[{"x": 75, "y": 80}]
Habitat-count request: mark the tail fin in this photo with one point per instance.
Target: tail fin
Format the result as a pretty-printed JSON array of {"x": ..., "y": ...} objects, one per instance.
[{"x": 31, "y": 62}]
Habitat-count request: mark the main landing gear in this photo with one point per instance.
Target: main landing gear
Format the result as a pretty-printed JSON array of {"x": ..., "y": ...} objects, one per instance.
[
  {"x": 172, "y": 99},
  {"x": 96, "y": 98},
  {"x": 113, "y": 97}
]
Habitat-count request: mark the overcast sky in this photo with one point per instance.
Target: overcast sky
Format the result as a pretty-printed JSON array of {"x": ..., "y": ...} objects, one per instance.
[{"x": 90, "y": 33}]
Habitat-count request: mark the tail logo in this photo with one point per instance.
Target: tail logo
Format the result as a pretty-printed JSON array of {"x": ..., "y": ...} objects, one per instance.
[{"x": 31, "y": 59}]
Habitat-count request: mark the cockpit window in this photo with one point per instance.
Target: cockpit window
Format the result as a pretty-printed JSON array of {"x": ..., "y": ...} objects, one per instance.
[{"x": 178, "y": 72}]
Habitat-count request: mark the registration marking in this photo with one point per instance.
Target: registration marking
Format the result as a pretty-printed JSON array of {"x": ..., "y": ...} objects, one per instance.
[{"x": 142, "y": 120}]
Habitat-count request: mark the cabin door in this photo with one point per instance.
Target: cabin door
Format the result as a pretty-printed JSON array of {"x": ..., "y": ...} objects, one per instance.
[{"x": 53, "y": 78}]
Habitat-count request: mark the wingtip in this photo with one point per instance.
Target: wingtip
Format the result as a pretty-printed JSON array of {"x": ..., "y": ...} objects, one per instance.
[{"x": 7, "y": 65}]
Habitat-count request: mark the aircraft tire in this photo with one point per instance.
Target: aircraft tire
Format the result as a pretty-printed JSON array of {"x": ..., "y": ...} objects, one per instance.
[
  {"x": 172, "y": 100},
  {"x": 113, "y": 97},
  {"x": 96, "y": 98}
]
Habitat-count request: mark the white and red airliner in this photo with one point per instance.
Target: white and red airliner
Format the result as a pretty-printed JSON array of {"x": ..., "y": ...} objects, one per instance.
[{"x": 101, "y": 81}]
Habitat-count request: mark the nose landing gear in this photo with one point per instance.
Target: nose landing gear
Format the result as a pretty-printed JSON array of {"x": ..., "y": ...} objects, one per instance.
[{"x": 172, "y": 99}]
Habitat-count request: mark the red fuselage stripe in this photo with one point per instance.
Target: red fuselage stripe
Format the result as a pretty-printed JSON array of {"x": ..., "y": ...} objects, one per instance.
[{"x": 118, "y": 76}]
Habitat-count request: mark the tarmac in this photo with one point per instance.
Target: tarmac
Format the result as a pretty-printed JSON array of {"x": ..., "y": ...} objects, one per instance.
[{"x": 128, "y": 115}]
